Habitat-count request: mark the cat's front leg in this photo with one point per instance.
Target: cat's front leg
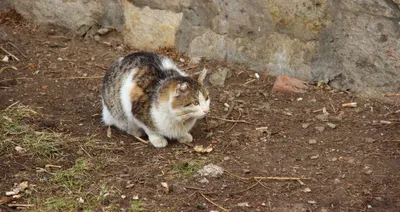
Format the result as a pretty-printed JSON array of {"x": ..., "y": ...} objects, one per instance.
[
  {"x": 185, "y": 139},
  {"x": 158, "y": 141}
]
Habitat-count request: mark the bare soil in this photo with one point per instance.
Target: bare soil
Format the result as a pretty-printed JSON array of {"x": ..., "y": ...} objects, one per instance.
[{"x": 351, "y": 165}]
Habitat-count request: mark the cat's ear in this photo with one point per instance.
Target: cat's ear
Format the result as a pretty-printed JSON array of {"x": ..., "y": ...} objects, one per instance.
[
  {"x": 181, "y": 89},
  {"x": 200, "y": 76}
]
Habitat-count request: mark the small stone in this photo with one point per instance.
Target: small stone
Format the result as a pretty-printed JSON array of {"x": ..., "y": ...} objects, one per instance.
[
  {"x": 307, "y": 190},
  {"x": 324, "y": 210},
  {"x": 334, "y": 159},
  {"x": 322, "y": 117},
  {"x": 263, "y": 204},
  {"x": 368, "y": 171},
  {"x": 331, "y": 125},
  {"x": 103, "y": 31},
  {"x": 247, "y": 171},
  {"x": 312, "y": 202},
  {"x": 97, "y": 38},
  {"x": 204, "y": 181},
  {"x": 211, "y": 170},
  {"x": 20, "y": 149},
  {"x": 227, "y": 158},
  {"x": 320, "y": 129},
  {"x": 336, "y": 181},
  {"x": 312, "y": 141},
  {"x": 81, "y": 200},
  {"x": 243, "y": 204},
  {"x": 351, "y": 160},
  {"x": 314, "y": 157},
  {"x": 369, "y": 206},
  {"x": 369, "y": 140},
  {"x": 234, "y": 143},
  {"x": 305, "y": 126},
  {"x": 379, "y": 198},
  {"x": 218, "y": 77},
  {"x": 123, "y": 196}
]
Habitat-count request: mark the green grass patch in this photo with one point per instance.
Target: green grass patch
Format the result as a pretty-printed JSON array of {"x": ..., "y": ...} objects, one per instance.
[
  {"x": 136, "y": 206},
  {"x": 75, "y": 177},
  {"x": 14, "y": 132}
]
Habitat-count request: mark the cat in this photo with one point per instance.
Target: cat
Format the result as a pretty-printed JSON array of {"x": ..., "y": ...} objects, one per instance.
[{"x": 145, "y": 92}]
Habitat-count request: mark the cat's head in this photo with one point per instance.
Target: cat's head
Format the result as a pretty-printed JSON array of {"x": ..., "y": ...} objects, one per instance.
[{"x": 187, "y": 96}]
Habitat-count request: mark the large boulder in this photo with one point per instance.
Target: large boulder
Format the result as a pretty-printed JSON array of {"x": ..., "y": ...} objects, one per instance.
[
  {"x": 350, "y": 44},
  {"x": 71, "y": 14},
  {"x": 360, "y": 51},
  {"x": 149, "y": 29}
]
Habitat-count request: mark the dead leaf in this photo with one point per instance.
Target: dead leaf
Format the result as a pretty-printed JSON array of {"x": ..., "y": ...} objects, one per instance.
[
  {"x": 44, "y": 86},
  {"x": 287, "y": 84},
  {"x": 166, "y": 187},
  {"x": 21, "y": 187},
  {"x": 109, "y": 134},
  {"x": 201, "y": 149}
]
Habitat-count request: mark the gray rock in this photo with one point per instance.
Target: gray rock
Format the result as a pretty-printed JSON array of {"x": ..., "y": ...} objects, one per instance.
[
  {"x": 312, "y": 141},
  {"x": 211, "y": 170},
  {"x": 204, "y": 180},
  {"x": 314, "y": 157},
  {"x": 305, "y": 125},
  {"x": 337, "y": 181},
  {"x": 322, "y": 117},
  {"x": 218, "y": 77},
  {"x": 103, "y": 31},
  {"x": 369, "y": 140},
  {"x": 320, "y": 129},
  {"x": 331, "y": 125}
]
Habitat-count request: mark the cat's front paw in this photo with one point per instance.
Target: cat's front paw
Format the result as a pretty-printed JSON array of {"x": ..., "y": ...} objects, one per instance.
[
  {"x": 158, "y": 141},
  {"x": 185, "y": 139}
]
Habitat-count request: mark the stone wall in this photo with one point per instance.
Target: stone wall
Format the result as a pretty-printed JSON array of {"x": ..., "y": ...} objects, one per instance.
[{"x": 350, "y": 44}]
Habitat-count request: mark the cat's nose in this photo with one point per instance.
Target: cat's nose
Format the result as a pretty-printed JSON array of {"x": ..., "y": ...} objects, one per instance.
[{"x": 206, "y": 110}]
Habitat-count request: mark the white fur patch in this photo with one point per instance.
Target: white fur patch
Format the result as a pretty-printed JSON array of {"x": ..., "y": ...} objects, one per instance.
[
  {"x": 107, "y": 117},
  {"x": 168, "y": 64}
]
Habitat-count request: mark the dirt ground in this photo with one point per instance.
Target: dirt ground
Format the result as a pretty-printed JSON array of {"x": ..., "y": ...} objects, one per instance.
[{"x": 50, "y": 107}]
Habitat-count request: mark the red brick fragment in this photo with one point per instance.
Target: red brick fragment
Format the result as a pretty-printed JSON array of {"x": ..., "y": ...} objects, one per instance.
[{"x": 287, "y": 84}]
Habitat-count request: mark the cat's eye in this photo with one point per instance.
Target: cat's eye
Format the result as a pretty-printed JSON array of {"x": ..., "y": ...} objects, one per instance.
[
  {"x": 187, "y": 105},
  {"x": 196, "y": 103}
]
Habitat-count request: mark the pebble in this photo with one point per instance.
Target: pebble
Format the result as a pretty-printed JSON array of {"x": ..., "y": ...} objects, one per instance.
[
  {"x": 204, "y": 181},
  {"x": 320, "y": 129},
  {"x": 211, "y": 170},
  {"x": 312, "y": 202},
  {"x": 336, "y": 181},
  {"x": 324, "y": 210},
  {"x": 307, "y": 190},
  {"x": 103, "y": 31},
  {"x": 218, "y": 77},
  {"x": 97, "y": 38},
  {"x": 368, "y": 171},
  {"x": 322, "y": 117},
  {"x": 369, "y": 140},
  {"x": 305, "y": 126},
  {"x": 369, "y": 206},
  {"x": 334, "y": 159},
  {"x": 243, "y": 204},
  {"x": 312, "y": 141},
  {"x": 331, "y": 125},
  {"x": 227, "y": 158},
  {"x": 247, "y": 171},
  {"x": 314, "y": 157}
]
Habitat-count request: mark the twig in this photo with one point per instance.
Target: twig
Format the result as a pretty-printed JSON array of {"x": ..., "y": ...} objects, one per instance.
[
  {"x": 215, "y": 204},
  {"x": 246, "y": 189},
  {"x": 12, "y": 105},
  {"x": 66, "y": 78},
  {"x": 8, "y": 67},
  {"x": 20, "y": 205},
  {"x": 267, "y": 178},
  {"x": 250, "y": 81},
  {"x": 86, "y": 152},
  {"x": 16, "y": 58},
  {"x": 16, "y": 48},
  {"x": 391, "y": 94},
  {"x": 230, "y": 110},
  {"x": 141, "y": 140},
  {"x": 230, "y": 120},
  {"x": 234, "y": 124},
  {"x": 195, "y": 188}
]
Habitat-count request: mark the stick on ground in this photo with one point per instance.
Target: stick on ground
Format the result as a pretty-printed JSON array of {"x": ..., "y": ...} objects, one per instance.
[
  {"x": 215, "y": 204},
  {"x": 16, "y": 58}
]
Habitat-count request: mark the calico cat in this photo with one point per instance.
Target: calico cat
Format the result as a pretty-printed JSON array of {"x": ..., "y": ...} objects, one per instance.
[{"x": 147, "y": 92}]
